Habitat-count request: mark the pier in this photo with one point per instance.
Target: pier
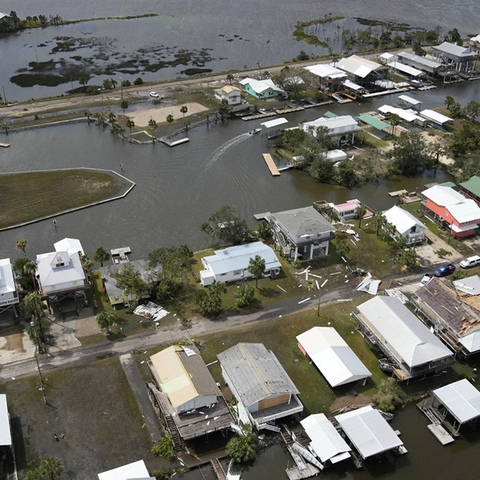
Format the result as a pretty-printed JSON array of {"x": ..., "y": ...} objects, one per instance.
[
  {"x": 258, "y": 116},
  {"x": 271, "y": 164},
  {"x": 4, "y": 145},
  {"x": 166, "y": 141},
  {"x": 397, "y": 193}
]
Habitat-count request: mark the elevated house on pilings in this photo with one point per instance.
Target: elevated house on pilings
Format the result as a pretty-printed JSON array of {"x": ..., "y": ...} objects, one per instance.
[
  {"x": 361, "y": 71},
  {"x": 411, "y": 349},
  {"x": 8, "y": 287},
  {"x": 186, "y": 394},
  {"x": 455, "y": 57}
]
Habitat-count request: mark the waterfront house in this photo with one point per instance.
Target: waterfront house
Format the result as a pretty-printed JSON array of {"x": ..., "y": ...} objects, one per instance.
[
  {"x": 362, "y": 71},
  {"x": 262, "y": 89},
  {"x": 406, "y": 225},
  {"x": 232, "y": 95},
  {"x": 69, "y": 245},
  {"x": 131, "y": 471},
  {"x": 455, "y": 57},
  {"x": 453, "y": 311},
  {"x": 347, "y": 211},
  {"x": 8, "y": 287},
  {"x": 330, "y": 353},
  {"x": 411, "y": 349},
  {"x": 471, "y": 188},
  {"x": 330, "y": 78},
  {"x": 475, "y": 43},
  {"x": 117, "y": 296},
  {"x": 454, "y": 405},
  {"x": 341, "y": 129},
  {"x": 301, "y": 233},
  {"x": 325, "y": 441},
  {"x": 427, "y": 64},
  {"x": 368, "y": 432},
  {"x": 231, "y": 264},
  {"x": 451, "y": 209},
  {"x": 186, "y": 393},
  {"x": 262, "y": 387}
]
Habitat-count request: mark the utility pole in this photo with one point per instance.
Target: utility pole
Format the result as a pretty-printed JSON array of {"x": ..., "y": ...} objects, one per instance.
[
  {"x": 42, "y": 388},
  {"x": 4, "y": 96},
  {"x": 319, "y": 300}
]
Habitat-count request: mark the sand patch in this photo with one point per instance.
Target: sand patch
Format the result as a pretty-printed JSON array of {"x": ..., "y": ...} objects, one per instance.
[{"x": 160, "y": 114}]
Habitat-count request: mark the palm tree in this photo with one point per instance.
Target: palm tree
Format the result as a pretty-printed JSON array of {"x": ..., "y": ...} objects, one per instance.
[
  {"x": 51, "y": 469},
  {"x": 436, "y": 149},
  {"x": 394, "y": 122},
  {"x": 152, "y": 123},
  {"x": 360, "y": 211},
  {"x": 379, "y": 220},
  {"x": 170, "y": 118},
  {"x": 106, "y": 320},
  {"x": 449, "y": 101},
  {"x": 21, "y": 245},
  {"x": 101, "y": 255},
  {"x": 112, "y": 117},
  {"x": 130, "y": 124},
  {"x": 230, "y": 78},
  {"x": 184, "y": 109},
  {"x": 390, "y": 230},
  {"x": 256, "y": 266}
]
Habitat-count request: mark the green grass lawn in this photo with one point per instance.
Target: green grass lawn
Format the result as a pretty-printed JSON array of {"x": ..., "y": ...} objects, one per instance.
[
  {"x": 29, "y": 196},
  {"x": 94, "y": 408}
]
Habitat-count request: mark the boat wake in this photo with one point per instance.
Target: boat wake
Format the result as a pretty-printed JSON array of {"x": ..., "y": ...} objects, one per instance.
[{"x": 212, "y": 159}]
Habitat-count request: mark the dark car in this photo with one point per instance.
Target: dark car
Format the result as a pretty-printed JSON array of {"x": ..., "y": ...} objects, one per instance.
[{"x": 445, "y": 270}]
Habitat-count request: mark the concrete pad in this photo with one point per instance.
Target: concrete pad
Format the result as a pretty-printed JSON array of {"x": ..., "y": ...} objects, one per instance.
[
  {"x": 160, "y": 114},
  {"x": 426, "y": 253},
  {"x": 64, "y": 335},
  {"x": 86, "y": 324}
]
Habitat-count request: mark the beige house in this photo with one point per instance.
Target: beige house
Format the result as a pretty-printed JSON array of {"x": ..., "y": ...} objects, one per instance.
[{"x": 232, "y": 95}]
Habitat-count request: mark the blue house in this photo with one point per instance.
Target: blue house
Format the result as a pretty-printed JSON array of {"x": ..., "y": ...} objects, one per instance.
[{"x": 261, "y": 88}]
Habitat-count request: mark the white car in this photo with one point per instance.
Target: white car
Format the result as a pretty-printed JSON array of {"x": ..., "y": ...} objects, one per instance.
[
  {"x": 470, "y": 262},
  {"x": 154, "y": 95},
  {"x": 426, "y": 278}
]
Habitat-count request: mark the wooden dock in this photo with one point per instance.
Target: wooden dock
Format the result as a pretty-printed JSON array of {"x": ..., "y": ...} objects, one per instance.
[
  {"x": 294, "y": 473},
  {"x": 397, "y": 193},
  {"x": 4, "y": 145},
  {"x": 440, "y": 434},
  {"x": 166, "y": 141},
  {"x": 258, "y": 116},
  {"x": 271, "y": 164},
  {"x": 284, "y": 111}
]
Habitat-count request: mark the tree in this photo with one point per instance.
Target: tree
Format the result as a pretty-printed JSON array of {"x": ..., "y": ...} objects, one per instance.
[
  {"x": 264, "y": 230},
  {"x": 130, "y": 124},
  {"x": 390, "y": 230},
  {"x": 125, "y": 83},
  {"x": 410, "y": 258},
  {"x": 123, "y": 104},
  {"x": 256, "y": 266},
  {"x": 347, "y": 174},
  {"x": 21, "y": 245},
  {"x": 245, "y": 296},
  {"x": 342, "y": 248},
  {"x": 226, "y": 225},
  {"x": 443, "y": 253},
  {"x": 242, "y": 448},
  {"x": 453, "y": 36},
  {"x": 83, "y": 80},
  {"x": 49, "y": 469},
  {"x": 24, "y": 270},
  {"x": 230, "y": 78},
  {"x": 387, "y": 396},
  {"x": 435, "y": 150},
  {"x": 32, "y": 311},
  {"x": 169, "y": 119},
  {"x": 379, "y": 220},
  {"x": 409, "y": 153},
  {"x": 449, "y": 101},
  {"x": 164, "y": 447},
  {"x": 360, "y": 212},
  {"x": 395, "y": 120},
  {"x": 321, "y": 169},
  {"x": 106, "y": 320},
  {"x": 184, "y": 109},
  {"x": 101, "y": 255},
  {"x": 138, "y": 81},
  {"x": 152, "y": 123},
  {"x": 472, "y": 110},
  {"x": 130, "y": 280},
  {"x": 400, "y": 242},
  {"x": 224, "y": 110},
  {"x": 209, "y": 300}
]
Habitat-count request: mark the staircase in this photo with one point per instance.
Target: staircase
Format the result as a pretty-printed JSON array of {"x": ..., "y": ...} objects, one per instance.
[
  {"x": 217, "y": 469},
  {"x": 172, "y": 428}
]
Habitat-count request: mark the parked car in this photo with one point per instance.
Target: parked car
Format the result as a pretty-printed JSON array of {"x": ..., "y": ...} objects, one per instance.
[
  {"x": 154, "y": 95},
  {"x": 470, "y": 262},
  {"x": 426, "y": 278},
  {"x": 445, "y": 270}
]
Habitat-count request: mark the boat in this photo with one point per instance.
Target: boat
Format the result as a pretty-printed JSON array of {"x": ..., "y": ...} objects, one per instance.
[{"x": 255, "y": 131}]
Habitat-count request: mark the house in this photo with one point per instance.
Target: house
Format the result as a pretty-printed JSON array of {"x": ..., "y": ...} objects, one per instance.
[
  {"x": 426, "y": 64},
  {"x": 60, "y": 273},
  {"x": 451, "y": 209},
  {"x": 456, "y": 57},
  {"x": 341, "y": 128},
  {"x": 446, "y": 307},
  {"x": 325, "y": 441},
  {"x": 454, "y": 405},
  {"x": 232, "y": 95},
  {"x": 368, "y": 432},
  {"x": 69, "y": 245},
  {"x": 347, "y": 211},
  {"x": 411, "y": 348},
  {"x": 186, "y": 393},
  {"x": 387, "y": 57},
  {"x": 261, "y": 88},
  {"x": 475, "y": 43},
  {"x": 116, "y": 295},
  {"x": 131, "y": 471},
  {"x": 231, "y": 264},
  {"x": 8, "y": 287},
  {"x": 262, "y": 387},
  {"x": 329, "y": 77},
  {"x": 406, "y": 225},
  {"x": 406, "y": 70},
  {"x": 330, "y": 353},
  {"x": 301, "y": 233},
  {"x": 362, "y": 71},
  {"x": 471, "y": 188}
]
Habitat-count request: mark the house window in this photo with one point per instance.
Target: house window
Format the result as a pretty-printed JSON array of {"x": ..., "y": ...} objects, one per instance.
[{"x": 237, "y": 272}]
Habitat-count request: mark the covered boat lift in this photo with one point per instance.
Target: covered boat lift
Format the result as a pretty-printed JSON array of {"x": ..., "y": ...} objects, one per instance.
[{"x": 272, "y": 127}]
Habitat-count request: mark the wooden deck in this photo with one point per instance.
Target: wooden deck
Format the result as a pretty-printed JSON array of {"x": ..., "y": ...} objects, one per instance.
[
  {"x": 397, "y": 193},
  {"x": 271, "y": 164}
]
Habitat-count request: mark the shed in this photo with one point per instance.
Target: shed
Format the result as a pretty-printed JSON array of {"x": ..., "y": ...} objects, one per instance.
[
  {"x": 332, "y": 356},
  {"x": 435, "y": 117},
  {"x": 326, "y": 442},
  {"x": 368, "y": 431},
  {"x": 131, "y": 471}
]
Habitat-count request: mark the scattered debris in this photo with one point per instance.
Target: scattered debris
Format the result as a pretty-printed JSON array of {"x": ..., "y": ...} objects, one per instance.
[{"x": 151, "y": 311}]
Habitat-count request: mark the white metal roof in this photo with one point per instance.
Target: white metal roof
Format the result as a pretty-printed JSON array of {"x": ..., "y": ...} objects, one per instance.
[
  {"x": 332, "y": 356},
  {"x": 326, "y": 442},
  {"x": 336, "y": 125},
  {"x": 426, "y": 62},
  {"x": 323, "y": 70},
  {"x": 387, "y": 56},
  {"x": 461, "y": 398},
  {"x": 255, "y": 372},
  {"x": 435, "y": 117},
  {"x": 5, "y": 434},
  {"x": 135, "y": 470},
  {"x": 56, "y": 268},
  {"x": 410, "y": 100},
  {"x": 3, "y": 15},
  {"x": 402, "y": 220},
  {"x": 274, "y": 123},
  {"x": 259, "y": 86},
  {"x": 471, "y": 341},
  {"x": 238, "y": 258},
  {"x": 336, "y": 155},
  {"x": 403, "y": 331},
  {"x": 401, "y": 67},
  {"x": 470, "y": 285},
  {"x": 352, "y": 85},
  {"x": 70, "y": 245},
  {"x": 406, "y": 115},
  {"x": 452, "y": 49},
  {"x": 358, "y": 66},
  {"x": 368, "y": 431},
  {"x": 443, "y": 196},
  {"x": 467, "y": 211},
  {"x": 7, "y": 283}
]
